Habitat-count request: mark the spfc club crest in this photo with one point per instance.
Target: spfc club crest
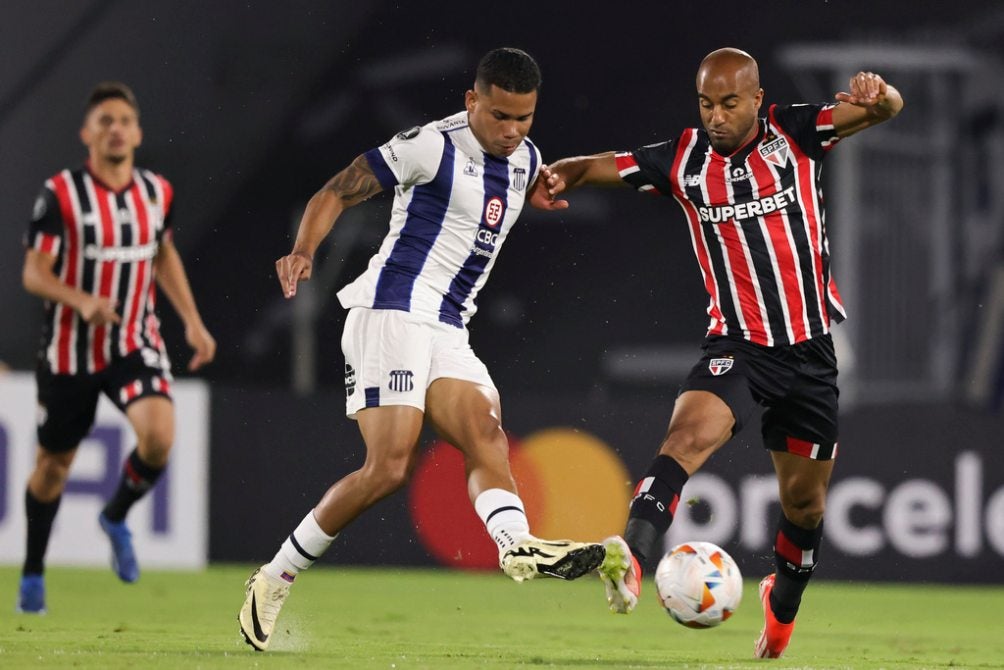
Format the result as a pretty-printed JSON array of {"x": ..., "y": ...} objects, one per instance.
[
  {"x": 776, "y": 152},
  {"x": 719, "y": 366}
]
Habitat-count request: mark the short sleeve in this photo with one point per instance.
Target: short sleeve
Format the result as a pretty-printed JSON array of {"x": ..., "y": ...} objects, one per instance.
[
  {"x": 168, "y": 190},
  {"x": 411, "y": 157},
  {"x": 536, "y": 160},
  {"x": 811, "y": 126},
  {"x": 648, "y": 168},
  {"x": 45, "y": 231}
]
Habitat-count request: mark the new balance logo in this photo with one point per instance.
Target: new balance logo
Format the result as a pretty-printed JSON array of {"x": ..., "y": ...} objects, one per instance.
[{"x": 402, "y": 381}]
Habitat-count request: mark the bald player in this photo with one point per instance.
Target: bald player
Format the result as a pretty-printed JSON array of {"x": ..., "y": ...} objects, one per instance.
[{"x": 751, "y": 198}]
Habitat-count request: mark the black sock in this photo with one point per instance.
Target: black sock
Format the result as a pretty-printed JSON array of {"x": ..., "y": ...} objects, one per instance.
[
  {"x": 796, "y": 553},
  {"x": 137, "y": 478},
  {"x": 40, "y": 516},
  {"x": 655, "y": 499}
]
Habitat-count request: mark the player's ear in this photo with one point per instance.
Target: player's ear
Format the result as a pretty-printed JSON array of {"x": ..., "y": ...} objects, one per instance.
[
  {"x": 139, "y": 137},
  {"x": 470, "y": 100},
  {"x": 85, "y": 135},
  {"x": 758, "y": 98}
]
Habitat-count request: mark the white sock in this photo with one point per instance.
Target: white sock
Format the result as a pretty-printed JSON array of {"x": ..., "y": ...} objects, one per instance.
[
  {"x": 504, "y": 517},
  {"x": 303, "y": 546}
]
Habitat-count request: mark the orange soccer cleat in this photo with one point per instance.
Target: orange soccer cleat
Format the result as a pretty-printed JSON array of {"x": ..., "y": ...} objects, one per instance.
[{"x": 775, "y": 635}]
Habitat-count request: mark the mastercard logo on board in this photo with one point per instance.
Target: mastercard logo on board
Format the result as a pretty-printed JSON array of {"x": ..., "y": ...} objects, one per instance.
[{"x": 573, "y": 485}]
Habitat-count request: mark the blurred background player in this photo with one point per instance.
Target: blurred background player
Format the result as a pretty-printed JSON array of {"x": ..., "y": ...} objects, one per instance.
[
  {"x": 99, "y": 238},
  {"x": 459, "y": 185},
  {"x": 750, "y": 192}
]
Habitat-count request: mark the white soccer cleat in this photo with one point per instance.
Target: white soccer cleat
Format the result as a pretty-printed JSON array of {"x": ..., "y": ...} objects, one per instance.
[
  {"x": 264, "y": 599},
  {"x": 621, "y": 575},
  {"x": 563, "y": 559}
]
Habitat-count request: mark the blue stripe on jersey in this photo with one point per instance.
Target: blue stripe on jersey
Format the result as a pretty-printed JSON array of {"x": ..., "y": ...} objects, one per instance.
[
  {"x": 372, "y": 396},
  {"x": 426, "y": 212},
  {"x": 380, "y": 169},
  {"x": 496, "y": 184},
  {"x": 533, "y": 163}
]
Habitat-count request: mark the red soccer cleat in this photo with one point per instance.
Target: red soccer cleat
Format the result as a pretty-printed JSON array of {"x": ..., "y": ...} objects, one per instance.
[{"x": 775, "y": 635}]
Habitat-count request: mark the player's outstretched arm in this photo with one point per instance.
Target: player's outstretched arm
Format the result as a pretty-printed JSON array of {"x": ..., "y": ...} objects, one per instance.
[
  {"x": 347, "y": 188},
  {"x": 544, "y": 188},
  {"x": 40, "y": 280},
  {"x": 569, "y": 173},
  {"x": 173, "y": 281},
  {"x": 869, "y": 101}
]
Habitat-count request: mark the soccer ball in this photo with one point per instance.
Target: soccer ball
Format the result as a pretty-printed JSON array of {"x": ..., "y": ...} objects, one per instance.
[{"x": 699, "y": 584}]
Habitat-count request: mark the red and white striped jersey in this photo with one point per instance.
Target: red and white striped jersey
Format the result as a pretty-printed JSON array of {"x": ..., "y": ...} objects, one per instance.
[
  {"x": 756, "y": 222},
  {"x": 105, "y": 242}
]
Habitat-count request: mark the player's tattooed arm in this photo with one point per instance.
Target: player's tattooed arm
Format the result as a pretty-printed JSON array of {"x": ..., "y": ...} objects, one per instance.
[
  {"x": 355, "y": 183},
  {"x": 347, "y": 188}
]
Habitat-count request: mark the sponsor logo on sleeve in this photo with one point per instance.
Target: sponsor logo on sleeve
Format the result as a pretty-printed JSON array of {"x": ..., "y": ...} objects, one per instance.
[{"x": 409, "y": 134}]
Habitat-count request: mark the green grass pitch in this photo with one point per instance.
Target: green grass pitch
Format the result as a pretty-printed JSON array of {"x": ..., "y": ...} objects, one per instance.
[{"x": 440, "y": 619}]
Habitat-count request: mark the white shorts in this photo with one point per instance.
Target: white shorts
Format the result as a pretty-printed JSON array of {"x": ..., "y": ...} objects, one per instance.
[{"x": 391, "y": 358}]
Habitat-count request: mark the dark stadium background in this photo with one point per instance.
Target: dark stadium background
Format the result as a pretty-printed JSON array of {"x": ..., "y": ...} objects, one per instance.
[{"x": 248, "y": 108}]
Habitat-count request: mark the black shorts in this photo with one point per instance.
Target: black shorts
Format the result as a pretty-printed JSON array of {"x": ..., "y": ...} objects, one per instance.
[
  {"x": 795, "y": 384},
  {"x": 67, "y": 404}
]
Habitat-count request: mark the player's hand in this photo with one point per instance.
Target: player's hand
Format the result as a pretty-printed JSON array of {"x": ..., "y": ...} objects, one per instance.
[
  {"x": 202, "y": 343},
  {"x": 98, "y": 311},
  {"x": 547, "y": 185},
  {"x": 867, "y": 90},
  {"x": 295, "y": 267}
]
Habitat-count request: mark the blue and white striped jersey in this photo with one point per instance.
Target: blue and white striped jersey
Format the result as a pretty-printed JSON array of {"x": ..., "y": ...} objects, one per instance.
[{"x": 453, "y": 207}]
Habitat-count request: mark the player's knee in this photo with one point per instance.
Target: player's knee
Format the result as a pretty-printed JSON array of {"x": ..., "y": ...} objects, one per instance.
[
  {"x": 51, "y": 473},
  {"x": 489, "y": 448},
  {"x": 154, "y": 445},
  {"x": 158, "y": 446},
  {"x": 687, "y": 443},
  {"x": 487, "y": 433},
  {"x": 388, "y": 474}
]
